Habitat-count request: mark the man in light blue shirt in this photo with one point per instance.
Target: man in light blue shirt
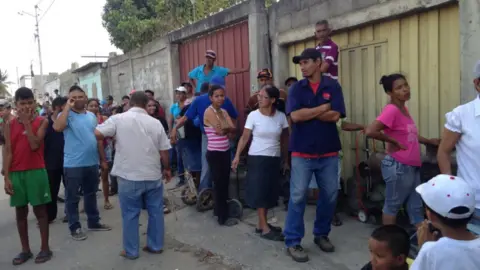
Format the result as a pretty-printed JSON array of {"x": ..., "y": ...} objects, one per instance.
[
  {"x": 204, "y": 73},
  {"x": 81, "y": 160}
]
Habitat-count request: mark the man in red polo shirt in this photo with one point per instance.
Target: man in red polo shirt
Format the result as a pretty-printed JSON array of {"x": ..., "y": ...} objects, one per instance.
[{"x": 328, "y": 48}]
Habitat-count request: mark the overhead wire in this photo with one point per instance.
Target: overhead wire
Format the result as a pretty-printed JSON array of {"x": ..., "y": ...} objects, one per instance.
[{"x": 48, "y": 8}]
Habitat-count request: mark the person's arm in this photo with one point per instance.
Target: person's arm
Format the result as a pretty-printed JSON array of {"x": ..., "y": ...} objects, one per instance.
[
  {"x": 192, "y": 76},
  {"x": 35, "y": 140},
  {"x": 331, "y": 56},
  {"x": 232, "y": 128},
  {"x": 284, "y": 143},
  {"x": 299, "y": 114},
  {"x": 243, "y": 142},
  {"x": 170, "y": 119},
  {"x": 232, "y": 112},
  {"x": 374, "y": 131},
  {"x": 62, "y": 121},
  {"x": 7, "y": 160},
  {"x": 447, "y": 144},
  {"x": 238, "y": 70},
  {"x": 337, "y": 106},
  {"x": 347, "y": 126},
  {"x": 163, "y": 146}
]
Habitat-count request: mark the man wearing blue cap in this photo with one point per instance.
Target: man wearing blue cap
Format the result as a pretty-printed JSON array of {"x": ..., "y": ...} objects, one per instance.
[
  {"x": 197, "y": 110},
  {"x": 206, "y": 72}
]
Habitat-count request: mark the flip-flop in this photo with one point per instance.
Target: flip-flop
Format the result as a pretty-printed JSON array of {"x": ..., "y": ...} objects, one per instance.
[
  {"x": 151, "y": 251},
  {"x": 273, "y": 236},
  {"x": 43, "y": 256},
  {"x": 272, "y": 228},
  {"x": 107, "y": 206},
  {"x": 22, "y": 258},
  {"x": 124, "y": 254}
]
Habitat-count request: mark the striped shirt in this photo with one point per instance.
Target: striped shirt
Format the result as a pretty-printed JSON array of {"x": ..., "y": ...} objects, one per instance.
[
  {"x": 329, "y": 52},
  {"x": 216, "y": 142}
]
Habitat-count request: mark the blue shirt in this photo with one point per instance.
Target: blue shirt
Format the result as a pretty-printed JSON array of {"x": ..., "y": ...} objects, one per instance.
[
  {"x": 315, "y": 137},
  {"x": 198, "y": 75},
  {"x": 175, "y": 110},
  {"x": 200, "y": 105},
  {"x": 80, "y": 141}
]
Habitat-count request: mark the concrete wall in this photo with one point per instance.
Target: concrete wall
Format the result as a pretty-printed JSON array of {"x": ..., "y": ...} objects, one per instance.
[
  {"x": 50, "y": 86},
  {"x": 68, "y": 79},
  {"x": 144, "y": 68}
]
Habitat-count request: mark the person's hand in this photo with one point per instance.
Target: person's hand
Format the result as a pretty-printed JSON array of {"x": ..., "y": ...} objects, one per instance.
[
  {"x": 173, "y": 136},
  {"x": 104, "y": 165},
  {"x": 435, "y": 142},
  {"x": 167, "y": 175},
  {"x": 235, "y": 162},
  {"x": 8, "y": 187},
  {"x": 326, "y": 106},
  {"x": 70, "y": 103},
  {"x": 285, "y": 168},
  {"x": 424, "y": 234},
  {"x": 24, "y": 115},
  {"x": 219, "y": 130},
  {"x": 396, "y": 146}
]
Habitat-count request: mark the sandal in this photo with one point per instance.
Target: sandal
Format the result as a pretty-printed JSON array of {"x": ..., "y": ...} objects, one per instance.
[
  {"x": 273, "y": 236},
  {"x": 43, "y": 256},
  {"x": 22, "y": 258},
  {"x": 336, "y": 221},
  {"x": 272, "y": 228},
  {"x": 124, "y": 254},
  {"x": 166, "y": 210},
  {"x": 151, "y": 251},
  {"x": 107, "y": 206}
]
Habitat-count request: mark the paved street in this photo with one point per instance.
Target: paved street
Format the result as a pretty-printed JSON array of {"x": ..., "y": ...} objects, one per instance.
[{"x": 193, "y": 241}]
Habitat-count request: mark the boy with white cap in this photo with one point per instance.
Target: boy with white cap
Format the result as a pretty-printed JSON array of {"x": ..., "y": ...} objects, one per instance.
[{"x": 450, "y": 204}]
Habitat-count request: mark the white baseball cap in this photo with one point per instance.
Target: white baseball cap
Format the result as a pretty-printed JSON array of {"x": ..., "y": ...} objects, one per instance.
[
  {"x": 181, "y": 89},
  {"x": 445, "y": 192}
]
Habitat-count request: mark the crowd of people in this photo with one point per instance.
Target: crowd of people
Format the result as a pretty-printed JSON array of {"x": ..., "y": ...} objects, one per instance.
[{"x": 130, "y": 147}]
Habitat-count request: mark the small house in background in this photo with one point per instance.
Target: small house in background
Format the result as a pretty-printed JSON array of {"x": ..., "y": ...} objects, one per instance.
[{"x": 93, "y": 79}]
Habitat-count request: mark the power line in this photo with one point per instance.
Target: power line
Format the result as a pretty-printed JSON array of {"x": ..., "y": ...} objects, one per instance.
[{"x": 48, "y": 8}]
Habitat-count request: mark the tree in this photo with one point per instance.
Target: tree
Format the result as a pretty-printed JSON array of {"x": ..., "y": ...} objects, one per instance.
[
  {"x": 4, "y": 83},
  {"x": 133, "y": 23}
]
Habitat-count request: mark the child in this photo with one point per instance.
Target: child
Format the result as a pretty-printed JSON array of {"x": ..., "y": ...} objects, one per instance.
[
  {"x": 389, "y": 246},
  {"x": 450, "y": 205},
  {"x": 26, "y": 179}
]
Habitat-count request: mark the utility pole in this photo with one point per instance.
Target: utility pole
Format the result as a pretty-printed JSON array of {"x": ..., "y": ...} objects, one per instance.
[{"x": 37, "y": 35}]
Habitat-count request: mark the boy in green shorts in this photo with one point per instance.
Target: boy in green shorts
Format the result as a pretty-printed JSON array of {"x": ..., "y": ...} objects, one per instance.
[{"x": 26, "y": 179}]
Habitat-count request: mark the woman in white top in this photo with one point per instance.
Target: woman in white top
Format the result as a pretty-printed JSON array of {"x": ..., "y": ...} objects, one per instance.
[
  {"x": 462, "y": 130},
  {"x": 269, "y": 127}
]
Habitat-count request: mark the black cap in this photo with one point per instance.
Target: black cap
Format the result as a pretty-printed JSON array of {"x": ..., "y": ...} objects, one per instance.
[
  {"x": 309, "y": 53},
  {"x": 109, "y": 97}
]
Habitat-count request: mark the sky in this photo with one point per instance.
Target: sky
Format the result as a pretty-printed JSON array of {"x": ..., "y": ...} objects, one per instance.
[{"x": 69, "y": 30}]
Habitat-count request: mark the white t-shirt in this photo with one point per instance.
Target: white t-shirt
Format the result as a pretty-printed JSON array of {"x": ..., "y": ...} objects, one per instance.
[
  {"x": 266, "y": 131},
  {"x": 448, "y": 254}
]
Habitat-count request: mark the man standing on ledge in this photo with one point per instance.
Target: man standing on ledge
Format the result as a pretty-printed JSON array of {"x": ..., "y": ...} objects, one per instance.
[
  {"x": 314, "y": 104},
  {"x": 204, "y": 73},
  {"x": 328, "y": 48}
]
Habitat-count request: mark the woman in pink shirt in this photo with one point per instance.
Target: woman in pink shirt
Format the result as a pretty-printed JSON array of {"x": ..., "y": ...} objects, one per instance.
[{"x": 401, "y": 166}]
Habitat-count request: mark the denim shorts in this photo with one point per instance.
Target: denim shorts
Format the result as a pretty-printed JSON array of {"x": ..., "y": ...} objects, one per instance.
[
  {"x": 192, "y": 154},
  {"x": 401, "y": 181}
]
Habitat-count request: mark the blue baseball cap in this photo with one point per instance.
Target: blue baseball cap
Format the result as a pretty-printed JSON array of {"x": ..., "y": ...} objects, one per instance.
[{"x": 218, "y": 80}]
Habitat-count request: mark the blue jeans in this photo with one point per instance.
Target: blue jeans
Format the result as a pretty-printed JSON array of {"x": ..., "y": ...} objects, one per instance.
[
  {"x": 132, "y": 195},
  {"x": 180, "y": 168},
  {"x": 87, "y": 178},
  {"x": 325, "y": 171},
  {"x": 401, "y": 181},
  {"x": 205, "y": 179}
]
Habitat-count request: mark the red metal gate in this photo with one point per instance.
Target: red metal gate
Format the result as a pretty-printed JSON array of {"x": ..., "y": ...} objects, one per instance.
[{"x": 231, "y": 45}]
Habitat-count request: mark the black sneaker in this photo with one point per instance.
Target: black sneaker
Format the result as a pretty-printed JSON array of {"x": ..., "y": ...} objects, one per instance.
[
  {"x": 78, "y": 235},
  {"x": 323, "y": 242},
  {"x": 298, "y": 254},
  {"x": 100, "y": 227}
]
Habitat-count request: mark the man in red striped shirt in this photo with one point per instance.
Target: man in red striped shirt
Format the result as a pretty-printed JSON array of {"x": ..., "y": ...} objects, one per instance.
[{"x": 328, "y": 48}]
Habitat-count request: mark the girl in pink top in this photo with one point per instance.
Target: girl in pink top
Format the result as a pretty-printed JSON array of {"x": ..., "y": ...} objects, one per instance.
[
  {"x": 218, "y": 126},
  {"x": 401, "y": 166}
]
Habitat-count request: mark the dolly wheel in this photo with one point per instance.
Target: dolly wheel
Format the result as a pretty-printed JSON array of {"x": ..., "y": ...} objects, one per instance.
[
  {"x": 362, "y": 216},
  {"x": 188, "y": 197},
  {"x": 205, "y": 200}
]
